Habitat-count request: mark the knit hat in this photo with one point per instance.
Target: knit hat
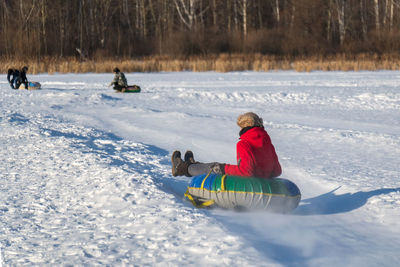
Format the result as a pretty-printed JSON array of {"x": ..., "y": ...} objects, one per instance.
[{"x": 249, "y": 119}]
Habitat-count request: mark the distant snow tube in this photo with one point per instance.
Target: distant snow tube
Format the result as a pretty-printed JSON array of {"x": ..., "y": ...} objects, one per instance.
[
  {"x": 243, "y": 193},
  {"x": 130, "y": 89},
  {"x": 31, "y": 86}
]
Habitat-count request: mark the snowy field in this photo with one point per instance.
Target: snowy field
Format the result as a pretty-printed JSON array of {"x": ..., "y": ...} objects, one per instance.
[{"x": 86, "y": 180}]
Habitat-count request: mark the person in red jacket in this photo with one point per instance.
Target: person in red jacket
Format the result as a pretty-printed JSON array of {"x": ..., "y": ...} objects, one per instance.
[{"x": 256, "y": 156}]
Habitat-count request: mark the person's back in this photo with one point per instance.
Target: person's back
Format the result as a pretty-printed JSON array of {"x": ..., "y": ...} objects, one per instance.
[
  {"x": 266, "y": 159},
  {"x": 256, "y": 155},
  {"x": 122, "y": 79}
]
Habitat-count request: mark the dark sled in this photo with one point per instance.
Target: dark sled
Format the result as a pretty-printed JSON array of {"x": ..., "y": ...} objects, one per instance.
[{"x": 130, "y": 89}]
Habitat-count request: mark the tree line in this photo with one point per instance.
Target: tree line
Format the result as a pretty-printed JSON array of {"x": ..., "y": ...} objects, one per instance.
[{"x": 98, "y": 29}]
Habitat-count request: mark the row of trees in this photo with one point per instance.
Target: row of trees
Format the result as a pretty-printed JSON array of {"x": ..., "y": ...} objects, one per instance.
[{"x": 128, "y": 28}]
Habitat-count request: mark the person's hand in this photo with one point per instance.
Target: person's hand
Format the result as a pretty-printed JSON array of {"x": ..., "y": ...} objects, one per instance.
[{"x": 218, "y": 168}]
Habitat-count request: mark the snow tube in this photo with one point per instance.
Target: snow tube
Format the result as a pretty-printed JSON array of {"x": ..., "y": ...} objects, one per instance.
[
  {"x": 243, "y": 193},
  {"x": 130, "y": 89},
  {"x": 31, "y": 86}
]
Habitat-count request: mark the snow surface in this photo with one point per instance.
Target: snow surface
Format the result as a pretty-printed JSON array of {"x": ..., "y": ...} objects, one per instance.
[{"x": 85, "y": 172}]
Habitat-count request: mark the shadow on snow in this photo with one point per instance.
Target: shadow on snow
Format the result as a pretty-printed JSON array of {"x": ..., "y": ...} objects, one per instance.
[
  {"x": 119, "y": 154},
  {"x": 330, "y": 203}
]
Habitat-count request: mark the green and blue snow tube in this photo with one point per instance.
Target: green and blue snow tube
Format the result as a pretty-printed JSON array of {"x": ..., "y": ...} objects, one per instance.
[{"x": 243, "y": 193}]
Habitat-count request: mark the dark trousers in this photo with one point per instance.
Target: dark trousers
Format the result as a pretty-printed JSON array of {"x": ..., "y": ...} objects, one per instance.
[
  {"x": 118, "y": 87},
  {"x": 12, "y": 83},
  {"x": 17, "y": 83}
]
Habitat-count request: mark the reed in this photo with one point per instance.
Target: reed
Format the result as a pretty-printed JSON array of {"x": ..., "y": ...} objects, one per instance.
[{"x": 219, "y": 63}]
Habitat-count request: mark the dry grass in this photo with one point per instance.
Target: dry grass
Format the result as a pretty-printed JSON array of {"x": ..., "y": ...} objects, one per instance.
[{"x": 219, "y": 63}]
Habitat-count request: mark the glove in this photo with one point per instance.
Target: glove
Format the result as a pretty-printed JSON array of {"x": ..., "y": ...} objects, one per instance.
[{"x": 218, "y": 168}]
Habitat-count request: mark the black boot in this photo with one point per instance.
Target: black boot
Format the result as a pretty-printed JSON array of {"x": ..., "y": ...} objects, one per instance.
[
  {"x": 179, "y": 167},
  {"x": 189, "y": 157}
]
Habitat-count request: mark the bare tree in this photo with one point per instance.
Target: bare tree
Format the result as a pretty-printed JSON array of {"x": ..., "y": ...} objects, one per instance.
[
  {"x": 275, "y": 7},
  {"x": 189, "y": 11},
  {"x": 104, "y": 15},
  {"x": 5, "y": 29},
  {"x": 340, "y": 8},
  {"x": 37, "y": 28},
  {"x": 376, "y": 10},
  {"x": 214, "y": 12},
  {"x": 363, "y": 18},
  {"x": 243, "y": 4},
  {"x": 388, "y": 19}
]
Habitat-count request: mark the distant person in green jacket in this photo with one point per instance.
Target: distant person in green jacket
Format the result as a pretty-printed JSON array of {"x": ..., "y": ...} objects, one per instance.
[{"x": 119, "y": 82}]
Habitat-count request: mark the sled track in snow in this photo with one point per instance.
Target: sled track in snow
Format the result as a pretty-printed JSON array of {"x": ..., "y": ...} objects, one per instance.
[{"x": 73, "y": 194}]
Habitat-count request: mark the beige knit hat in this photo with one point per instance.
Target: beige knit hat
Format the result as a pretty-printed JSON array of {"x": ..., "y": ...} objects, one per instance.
[{"x": 249, "y": 119}]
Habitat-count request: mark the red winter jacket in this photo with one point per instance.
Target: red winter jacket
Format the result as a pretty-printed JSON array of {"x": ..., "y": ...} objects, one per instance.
[{"x": 256, "y": 156}]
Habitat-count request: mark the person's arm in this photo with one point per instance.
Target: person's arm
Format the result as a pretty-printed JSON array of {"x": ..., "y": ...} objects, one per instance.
[{"x": 245, "y": 162}]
